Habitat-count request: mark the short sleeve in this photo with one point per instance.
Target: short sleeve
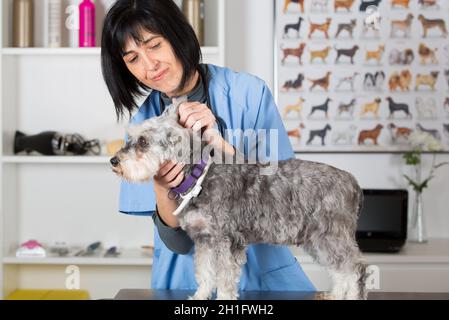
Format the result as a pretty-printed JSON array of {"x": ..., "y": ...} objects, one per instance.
[{"x": 137, "y": 199}]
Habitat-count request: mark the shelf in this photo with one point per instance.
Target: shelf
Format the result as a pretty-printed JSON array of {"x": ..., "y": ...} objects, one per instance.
[
  {"x": 56, "y": 159},
  {"x": 129, "y": 257},
  {"x": 362, "y": 150},
  {"x": 79, "y": 261},
  {"x": 75, "y": 51},
  {"x": 434, "y": 252},
  {"x": 50, "y": 51}
]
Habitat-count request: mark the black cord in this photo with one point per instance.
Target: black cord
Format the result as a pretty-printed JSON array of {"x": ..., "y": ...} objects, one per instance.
[{"x": 76, "y": 144}]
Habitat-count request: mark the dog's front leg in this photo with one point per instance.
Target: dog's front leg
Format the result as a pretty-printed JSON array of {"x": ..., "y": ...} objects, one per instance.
[
  {"x": 205, "y": 271},
  {"x": 229, "y": 266}
]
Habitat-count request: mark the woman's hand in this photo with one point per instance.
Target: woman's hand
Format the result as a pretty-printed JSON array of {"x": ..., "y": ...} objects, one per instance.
[
  {"x": 196, "y": 116},
  {"x": 169, "y": 176}
]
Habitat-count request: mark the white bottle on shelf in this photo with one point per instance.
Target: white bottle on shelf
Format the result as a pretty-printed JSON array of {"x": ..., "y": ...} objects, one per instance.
[
  {"x": 72, "y": 22},
  {"x": 52, "y": 23}
]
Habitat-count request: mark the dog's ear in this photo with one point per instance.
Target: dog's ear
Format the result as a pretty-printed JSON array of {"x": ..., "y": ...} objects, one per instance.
[
  {"x": 173, "y": 138},
  {"x": 133, "y": 130},
  {"x": 172, "y": 110}
]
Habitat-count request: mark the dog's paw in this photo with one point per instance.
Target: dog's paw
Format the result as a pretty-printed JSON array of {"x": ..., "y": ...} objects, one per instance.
[
  {"x": 195, "y": 297},
  {"x": 324, "y": 296},
  {"x": 198, "y": 296},
  {"x": 227, "y": 296}
]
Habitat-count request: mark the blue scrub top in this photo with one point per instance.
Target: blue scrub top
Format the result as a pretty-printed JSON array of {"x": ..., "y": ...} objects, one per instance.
[{"x": 244, "y": 102}]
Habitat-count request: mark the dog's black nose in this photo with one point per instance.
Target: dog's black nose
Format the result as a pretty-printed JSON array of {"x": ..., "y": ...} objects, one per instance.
[{"x": 115, "y": 161}]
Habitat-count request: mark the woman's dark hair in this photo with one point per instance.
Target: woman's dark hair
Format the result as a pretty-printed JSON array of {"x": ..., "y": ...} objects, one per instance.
[{"x": 126, "y": 20}]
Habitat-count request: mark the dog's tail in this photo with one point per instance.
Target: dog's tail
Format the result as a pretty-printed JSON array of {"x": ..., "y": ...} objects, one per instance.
[
  {"x": 360, "y": 266},
  {"x": 360, "y": 202},
  {"x": 362, "y": 276}
]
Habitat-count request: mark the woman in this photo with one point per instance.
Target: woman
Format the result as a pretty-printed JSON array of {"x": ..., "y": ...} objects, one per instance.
[{"x": 149, "y": 47}]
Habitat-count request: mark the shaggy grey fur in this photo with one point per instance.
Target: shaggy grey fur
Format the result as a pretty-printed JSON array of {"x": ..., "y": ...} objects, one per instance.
[{"x": 304, "y": 203}]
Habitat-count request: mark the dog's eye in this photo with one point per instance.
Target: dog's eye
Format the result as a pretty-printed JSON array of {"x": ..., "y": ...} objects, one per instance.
[{"x": 142, "y": 142}]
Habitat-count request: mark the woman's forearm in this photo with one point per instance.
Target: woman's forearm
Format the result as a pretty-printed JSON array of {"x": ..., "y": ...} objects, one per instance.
[
  {"x": 166, "y": 207},
  {"x": 228, "y": 148}
]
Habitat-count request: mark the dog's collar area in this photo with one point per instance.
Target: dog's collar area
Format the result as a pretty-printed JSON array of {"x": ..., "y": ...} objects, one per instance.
[
  {"x": 193, "y": 185},
  {"x": 189, "y": 181}
]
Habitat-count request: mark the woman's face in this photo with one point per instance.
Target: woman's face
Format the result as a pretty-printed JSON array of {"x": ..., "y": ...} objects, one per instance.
[{"x": 153, "y": 62}]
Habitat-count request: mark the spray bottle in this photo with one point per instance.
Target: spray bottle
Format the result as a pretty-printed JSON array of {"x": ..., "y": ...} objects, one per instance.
[{"x": 87, "y": 24}]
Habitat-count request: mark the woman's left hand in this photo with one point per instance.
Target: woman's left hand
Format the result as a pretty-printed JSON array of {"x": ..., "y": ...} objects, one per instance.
[{"x": 195, "y": 116}]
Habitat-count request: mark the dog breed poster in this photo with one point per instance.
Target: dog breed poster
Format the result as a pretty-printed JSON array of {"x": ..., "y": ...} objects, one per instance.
[{"x": 362, "y": 75}]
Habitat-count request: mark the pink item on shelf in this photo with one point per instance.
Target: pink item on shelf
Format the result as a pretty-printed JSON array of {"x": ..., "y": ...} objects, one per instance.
[
  {"x": 31, "y": 248},
  {"x": 31, "y": 244},
  {"x": 87, "y": 24}
]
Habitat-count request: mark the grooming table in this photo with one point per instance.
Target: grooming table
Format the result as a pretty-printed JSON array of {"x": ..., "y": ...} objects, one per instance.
[{"x": 142, "y": 294}]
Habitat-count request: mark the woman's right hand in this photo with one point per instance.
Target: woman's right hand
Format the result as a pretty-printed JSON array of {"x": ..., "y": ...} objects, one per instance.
[{"x": 169, "y": 176}]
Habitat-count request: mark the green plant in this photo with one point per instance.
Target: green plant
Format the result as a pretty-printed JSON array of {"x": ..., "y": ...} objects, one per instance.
[{"x": 421, "y": 141}]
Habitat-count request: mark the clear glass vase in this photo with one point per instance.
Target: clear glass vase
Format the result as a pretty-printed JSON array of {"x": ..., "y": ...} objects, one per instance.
[{"x": 417, "y": 232}]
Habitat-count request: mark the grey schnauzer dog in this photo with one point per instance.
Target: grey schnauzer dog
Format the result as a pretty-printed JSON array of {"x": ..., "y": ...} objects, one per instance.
[{"x": 302, "y": 203}]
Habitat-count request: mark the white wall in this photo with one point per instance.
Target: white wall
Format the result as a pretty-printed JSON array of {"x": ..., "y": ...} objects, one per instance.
[{"x": 249, "y": 43}]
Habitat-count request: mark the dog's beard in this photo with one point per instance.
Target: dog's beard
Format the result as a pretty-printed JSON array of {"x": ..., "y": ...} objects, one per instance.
[{"x": 141, "y": 170}]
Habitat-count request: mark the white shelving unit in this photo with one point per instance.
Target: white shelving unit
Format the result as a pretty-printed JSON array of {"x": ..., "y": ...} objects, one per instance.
[
  {"x": 128, "y": 257},
  {"x": 74, "y": 198},
  {"x": 416, "y": 268},
  {"x": 55, "y": 159},
  {"x": 50, "y": 51},
  {"x": 207, "y": 51}
]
